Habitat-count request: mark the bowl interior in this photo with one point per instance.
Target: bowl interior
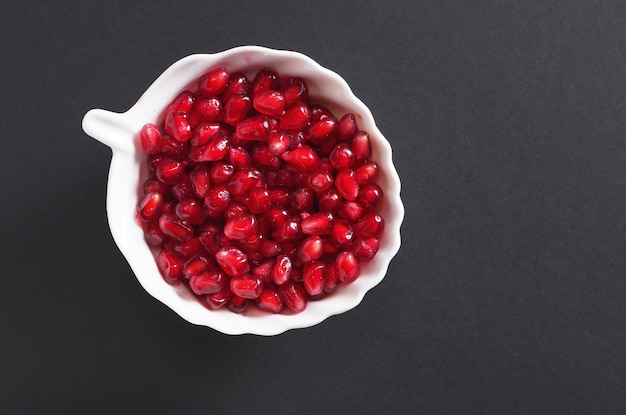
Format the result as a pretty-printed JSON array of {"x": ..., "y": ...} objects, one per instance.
[{"x": 125, "y": 184}]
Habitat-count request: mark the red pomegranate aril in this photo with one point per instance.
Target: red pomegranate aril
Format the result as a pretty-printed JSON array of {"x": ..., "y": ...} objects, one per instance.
[
  {"x": 280, "y": 196},
  {"x": 217, "y": 199},
  {"x": 177, "y": 125},
  {"x": 174, "y": 228},
  {"x": 330, "y": 200},
  {"x": 154, "y": 185},
  {"x": 347, "y": 127},
  {"x": 170, "y": 171},
  {"x": 220, "y": 298},
  {"x": 346, "y": 184},
  {"x": 204, "y": 132},
  {"x": 264, "y": 159},
  {"x": 173, "y": 148},
  {"x": 367, "y": 172},
  {"x": 289, "y": 230},
  {"x": 266, "y": 79},
  {"x": 269, "y": 248},
  {"x": 149, "y": 207},
  {"x": 170, "y": 266},
  {"x": 294, "y": 90},
  {"x": 302, "y": 199},
  {"x": 206, "y": 282},
  {"x": 341, "y": 234},
  {"x": 296, "y": 118},
  {"x": 239, "y": 157},
  {"x": 246, "y": 286},
  {"x": 327, "y": 246},
  {"x": 310, "y": 249},
  {"x": 253, "y": 128},
  {"x": 213, "y": 82},
  {"x": 200, "y": 181},
  {"x": 282, "y": 269},
  {"x": 244, "y": 180},
  {"x": 221, "y": 172},
  {"x": 151, "y": 138},
  {"x": 209, "y": 109},
  {"x": 237, "y": 85},
  {"x": 235, "y": 210},
  {"x": 263, "y": 270},
  {"x": 196, "y": 265},
  {"x": 341, "y": 157},
  {"x": 184, "y": 102},
  {"x": 238, "y": 304},
  {"x": 186, "y": 250},
  {"x": 236, "y": 109},
  {"x": 370, "y": 225},
  {"x": 365, "y": 249},
  {"x": 276, "y": 215},
  {"x": 361, "y": 146},
  {"x": 319, "y": 181},
  {"x": 302, "y": 159},
  {"x": 182, "y": 189},
  {"x": 350, "y": 211},
  {"x": 190, "y": 210},
  {"x": 313, "y": 277},
  {"x": 233, "y": 261},
  {"x": 348, "y": 268},
  {"x": 278, "y": 142},
  {"x": 293, "y": 296},
  {"x": 215, "y": 149},
  {"x": 208, "y": 239},
  {"x": 322, "y": 130},
  {"x": 240, "y": 227},
  {"x": 259, "y": 200},
  {"x": 319, "y": 112},
  {"x": 269, "y": 102},
  {"x": 269, "y": 300},
  {"x": 369, "y": 195},
  {"x": 332, "y": 278},
  {"x": 154, "y": 235},
  {"x": 317, "y": 224}
]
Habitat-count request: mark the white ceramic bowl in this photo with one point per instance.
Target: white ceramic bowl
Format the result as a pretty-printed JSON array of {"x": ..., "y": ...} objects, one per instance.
[{"x": 128, "y": 171}]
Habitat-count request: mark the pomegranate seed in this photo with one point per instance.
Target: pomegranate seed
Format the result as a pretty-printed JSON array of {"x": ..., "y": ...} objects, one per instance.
[
  {"x": 184, "y": 102},
  {"x": 234, "y": 210},
  {"x": 240, "y": 227},
  {"x": 332, "y": 278},
  {"x": 302, "y": 199},
  {"x": 269, "y": 248},
  {"x": 237, "y": 85},
  {"x": 186, "y": 250},
  {"x": 278, "y": 142},
  {"x": 293, "y": 296},
  {"x": 294, "y": 90},
  {"x": 361, "y": 146},
  {"x": 208, "y": 239},
  {"x": 238, "y": 304},
  {"x": 310, "y": 249},
  {"x": 154, "y": 235},
  {"x": 177, "y": 125},
  {"x": 319, "y": 181},
  {"x": 149, "y": 207},
  {"x": 348, "y": 268},
  {"x": 170, "y": 171},
  {"x": 244, "y": 180},
  {"x": 280, "y": 196},
  {"x": 341, "y": 234},
  {"x": 221, "y": 172},
  {"x": 322, "y": 130},
  {"x": 313, "y": 277},
  {"x": 302, "y": 159},
  {"x": 369, "y": 195},
  {"x": 259, "y": 200},
  {"x": 151, "y": 139},
  {"x": 215, "y": 149},
  {"x": 209, "y": 109},
  {"x": 174, "y": 228},
  {"x": 351, "y": 211},
  {"x": 319, "y": 112},
  {"x": 264, "y": 159},
  {"x": 347, "y": 127},
  {"x": 341, "y": 157},
  {"x": 154, "y": 185},
  {"x": 173, "y": 148},
  {"x": 269, "y": 102},
  {"x": 317, "y": 224},
  {"x": 219, "y": 298},
  {"x": 217, "y": 199},
  {"x": 204, "y": 132},
  {"x": 289, "y": 230},
  {"x": 264, "y": 270},
  {"x": 195, "y": 265},
  {"x": 182, "y": 189},
  {"x": 265, "y": 79},
  {"x": 276, "y": 215},
  {"x": 346, "y": 184},
  {"x": 213, "y": 82},
  {"x": 200, "y": 181},
  {"x": 190, "y": 210},
  {"x": 365, "y": 249},
  {"x": 370, "y": 225},
  {"x": 206, "y": 282},
  {"x": 282, "y": 269},
  {"x": 246, "y": 287},
  {"x": 239, "y": 157},
  {"x": 367, "y": 172},
  {"x": 254, "y": 128},
  {"x": 296, "y": 118},
  {"x": 269, "y": 300},
  {"x": 237, "y": 109},
  {"x": 330, "y": 200},
  {"x": 232, "y": 261},
  {"x": 170, "y": 266}
]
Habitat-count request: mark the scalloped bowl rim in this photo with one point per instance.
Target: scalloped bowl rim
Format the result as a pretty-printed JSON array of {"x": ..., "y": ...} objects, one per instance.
[{"x": 120, "y": 130}]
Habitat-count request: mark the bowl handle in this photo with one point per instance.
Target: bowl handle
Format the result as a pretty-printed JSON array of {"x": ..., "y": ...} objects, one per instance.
[{"x": 109, "y": 128}]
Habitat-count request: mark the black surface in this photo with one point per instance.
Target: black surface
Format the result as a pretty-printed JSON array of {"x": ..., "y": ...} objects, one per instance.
[{"x": 507, "y": 121}]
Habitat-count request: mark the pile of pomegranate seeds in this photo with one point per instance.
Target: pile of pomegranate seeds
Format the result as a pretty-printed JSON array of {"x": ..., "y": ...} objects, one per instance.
[{"x": 258, "y": 195}]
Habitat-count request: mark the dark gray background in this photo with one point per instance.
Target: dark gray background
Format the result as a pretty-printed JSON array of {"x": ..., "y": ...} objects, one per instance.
[{"x": 508, "y": 296}]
